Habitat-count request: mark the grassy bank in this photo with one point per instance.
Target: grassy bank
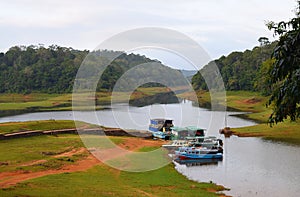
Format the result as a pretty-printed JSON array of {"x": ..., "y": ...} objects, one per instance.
[
  {"x": 105, "y": 181},
  {"x": 236, "y": 100},
  {"x": 286, "y": 132},
  {"x": 12, "y": 104},
  {"x": 44, "y": 154},
  {"x": 43, "y": 125},
  {"x": 255, "y": 103},
  {"x": 244, "y": 101}
]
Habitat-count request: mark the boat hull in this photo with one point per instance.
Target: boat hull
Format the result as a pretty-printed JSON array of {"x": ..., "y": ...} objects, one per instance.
[{"x": 200, "y": 156}]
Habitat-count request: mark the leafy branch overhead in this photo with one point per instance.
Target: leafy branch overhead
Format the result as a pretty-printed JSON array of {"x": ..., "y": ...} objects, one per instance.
[{"x": 285, "y": 72}]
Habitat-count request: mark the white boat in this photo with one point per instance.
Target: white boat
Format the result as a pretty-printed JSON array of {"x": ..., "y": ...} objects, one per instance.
[{"x": 175, "y": 144}]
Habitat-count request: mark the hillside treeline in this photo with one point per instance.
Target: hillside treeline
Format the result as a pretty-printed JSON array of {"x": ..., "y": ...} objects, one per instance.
[
  {"x": 241, "y": 70},
  {"x": 53, "y": 69}
]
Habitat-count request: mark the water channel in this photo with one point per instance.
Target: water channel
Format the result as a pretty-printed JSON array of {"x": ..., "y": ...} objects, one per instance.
[{"x": 251, "y": 166}]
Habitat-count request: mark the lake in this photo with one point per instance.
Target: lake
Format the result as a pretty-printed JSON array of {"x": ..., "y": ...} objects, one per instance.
[
  {"x": 251, "y": 166},
  {"x": 129, "y": 117}
]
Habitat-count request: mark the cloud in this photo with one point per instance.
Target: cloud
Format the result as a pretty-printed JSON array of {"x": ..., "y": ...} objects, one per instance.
[{"x": 232, "y": 24}]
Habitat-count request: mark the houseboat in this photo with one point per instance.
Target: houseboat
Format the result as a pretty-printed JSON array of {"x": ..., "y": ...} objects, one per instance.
[
  {"x": 161, "y": 128},
  {"x": 181, "y": 133}
]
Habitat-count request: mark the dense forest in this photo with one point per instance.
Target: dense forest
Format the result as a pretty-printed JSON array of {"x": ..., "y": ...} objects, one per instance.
[
  {"x": 241, "y": 70},
  {"x": 53, "y": 69}
]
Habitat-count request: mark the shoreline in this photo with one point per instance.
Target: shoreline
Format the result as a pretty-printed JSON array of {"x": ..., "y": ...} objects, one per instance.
[{"x": 33, "y": 165}]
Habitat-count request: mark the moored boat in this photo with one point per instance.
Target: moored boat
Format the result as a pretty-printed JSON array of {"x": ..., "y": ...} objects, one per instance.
[
  {"x": 208, "y": 142},
  {"x": 192, "y": 153},
  {"x": 198, "y": 162},
  {"x": 175, "y": 144},
  {"x": 180, "y": 133},
  {"x": 161, "y": 128}
]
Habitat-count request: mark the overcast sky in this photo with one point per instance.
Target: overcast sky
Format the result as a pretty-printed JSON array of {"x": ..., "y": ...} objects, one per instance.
[{"x": 219, "y": 26}]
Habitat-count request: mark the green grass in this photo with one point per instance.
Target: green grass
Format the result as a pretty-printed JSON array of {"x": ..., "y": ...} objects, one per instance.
[
  {"x": 21, "y": 98},
  {"x": 142, "y": 161},
  {"x": 238, "y": 101},
  {"x": 100, "y": 180},
  {"x": 101, "y": 142},
  {"x": 287, "y": 132},
  {"x": 36, "y": 100},
  {"x": 105, "y": 181},
  {"x": 15, "y": 152},
  {"x": 148, "y": 148},
  {"x": 255, "y": 103},
  {"x": 11, "y": 104},
  {"x": 40, "y": 125}
]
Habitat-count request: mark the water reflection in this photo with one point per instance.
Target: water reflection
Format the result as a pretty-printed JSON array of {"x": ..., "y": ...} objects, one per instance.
[
  {"x": 160, "y": 98},
  {"x": 130, "y": 117},
  {"x": 252, "y": 167},
  {"x": 202, "y": 162}
]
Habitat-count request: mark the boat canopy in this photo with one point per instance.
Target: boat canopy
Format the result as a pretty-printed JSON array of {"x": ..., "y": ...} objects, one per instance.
[
  {"x": 189, "y": 128},
  {"x": 193, "y": 128},
  {"x": 178, "y": 129}
]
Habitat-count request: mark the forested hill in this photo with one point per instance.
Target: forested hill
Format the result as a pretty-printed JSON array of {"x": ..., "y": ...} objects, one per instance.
[
  {"x": 240, "y": 70},
  {"x": 53, "y": 69}
]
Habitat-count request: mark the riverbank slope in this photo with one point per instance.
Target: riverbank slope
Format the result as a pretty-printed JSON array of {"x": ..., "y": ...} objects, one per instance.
[
  {"x": 33, "y": 165},
  {"x": 255, "y": 104}
]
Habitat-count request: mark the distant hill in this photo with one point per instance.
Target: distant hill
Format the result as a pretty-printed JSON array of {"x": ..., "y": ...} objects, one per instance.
[
  {"x": 188, "y": 73},
  {"x": 53, "y": 69},
  {"x": 239, "y": 70}
]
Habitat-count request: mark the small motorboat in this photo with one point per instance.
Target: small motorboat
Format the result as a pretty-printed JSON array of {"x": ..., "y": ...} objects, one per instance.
[
  {"x": 176, "y": 144},
  {"x": 188, "y": 153}
]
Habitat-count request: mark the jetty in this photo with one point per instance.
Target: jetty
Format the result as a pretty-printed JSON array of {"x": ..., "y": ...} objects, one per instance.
[{"x": 90, "y": 131}]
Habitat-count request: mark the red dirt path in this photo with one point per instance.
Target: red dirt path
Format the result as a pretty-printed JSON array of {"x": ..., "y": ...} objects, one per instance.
[{"x": 8, "y": 179}]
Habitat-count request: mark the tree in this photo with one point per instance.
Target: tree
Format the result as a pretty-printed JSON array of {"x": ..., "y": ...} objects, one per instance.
[
  {"x": 262, "y": 81},
  {"x": 285, "y": 72},
  {"x": 263, "y": 41}
]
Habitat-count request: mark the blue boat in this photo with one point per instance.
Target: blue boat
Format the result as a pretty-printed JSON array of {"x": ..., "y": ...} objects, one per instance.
[
  {"x": 194, "y": 153},
  {"x": 161, "y": 128},
  {"x": 198, "y": 162}
]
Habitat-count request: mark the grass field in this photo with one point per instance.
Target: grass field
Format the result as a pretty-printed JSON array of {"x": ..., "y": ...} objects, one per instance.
[
  {"x": 238, "y": 101},
  {"x": 43, "y": 153},
  {"x": 11, "y": 104},
  {"x": 43, "y": 125},
  {"x": 286, "y": 132},
  {"x": 17, "y": 153},
  {"x": 253, "y": 102},
  {"x": 104, "y": 181}
]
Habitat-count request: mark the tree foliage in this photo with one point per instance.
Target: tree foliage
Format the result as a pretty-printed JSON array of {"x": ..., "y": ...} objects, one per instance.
[
  {"x": 240, "y": 70},
  {"x": 285, "y": 72},
  {"x": 53, "y": 69}
]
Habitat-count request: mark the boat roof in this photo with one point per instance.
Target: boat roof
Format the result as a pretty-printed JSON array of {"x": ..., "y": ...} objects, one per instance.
[
  {"x": 161, "y": 119},
  {"x": 175, "y": 128},
  {"x": 201, "y": 137},
  {"x": 189, "y": 128}
]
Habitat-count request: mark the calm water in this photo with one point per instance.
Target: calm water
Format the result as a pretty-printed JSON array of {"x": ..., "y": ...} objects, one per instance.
[
  {"x": 128, "y": 117},
  {"x": 251, "y": 166}
]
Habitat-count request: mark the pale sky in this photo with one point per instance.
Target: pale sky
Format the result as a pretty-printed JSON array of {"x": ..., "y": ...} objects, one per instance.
[{"x": 219, "y": 26}]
